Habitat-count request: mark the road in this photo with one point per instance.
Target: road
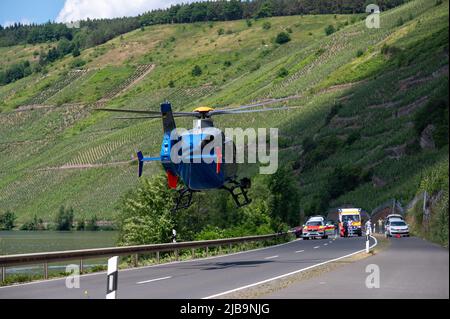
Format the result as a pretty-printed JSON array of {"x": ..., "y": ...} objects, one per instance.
[
  {"x": 410, "y": 268},
  {"x": 197, "y": 279}
]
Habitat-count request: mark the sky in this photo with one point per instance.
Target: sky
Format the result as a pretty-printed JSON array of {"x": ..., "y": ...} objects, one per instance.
[{"x": 29, "y": 11}]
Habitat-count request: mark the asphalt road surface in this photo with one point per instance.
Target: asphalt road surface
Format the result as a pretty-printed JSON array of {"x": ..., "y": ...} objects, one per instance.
[
  {"x": 409, "y": 268},
  {"x": 203, "y": 278}
]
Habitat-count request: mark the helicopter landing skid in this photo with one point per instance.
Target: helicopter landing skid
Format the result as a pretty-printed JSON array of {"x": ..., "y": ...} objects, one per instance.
[
  {"x": 242, "y": 188},
  {"x": 183, "y": 200}
]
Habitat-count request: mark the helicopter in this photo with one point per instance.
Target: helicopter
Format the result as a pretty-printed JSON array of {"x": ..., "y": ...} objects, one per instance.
[{"x": 198, "y": 171}]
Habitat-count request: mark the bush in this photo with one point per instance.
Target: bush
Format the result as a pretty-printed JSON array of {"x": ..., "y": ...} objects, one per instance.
[
  {"x": 283, "y": 72},
  {"x": 267, "y": 25},
  {"x": 221, "y": 31},
  {"x": 227, "y": 64},
  {"x": 249, "y": 23},
  {"x": 283, "y": 38},
  {"x": 359, "y": 53},
  {"x": 7, "y": 220},
  {"x": 33, "y": 225},
  {"x": 196, "y": 71},
  {"x": 330, "y": 30},
  {"x": 77, "y": 63}
]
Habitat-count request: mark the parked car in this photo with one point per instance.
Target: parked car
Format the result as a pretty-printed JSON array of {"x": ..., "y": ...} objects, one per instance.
[
  {"x": 314, "y": 228},
  {"x": 397, "y": 227},
  {"x": 298, "y": 231}
]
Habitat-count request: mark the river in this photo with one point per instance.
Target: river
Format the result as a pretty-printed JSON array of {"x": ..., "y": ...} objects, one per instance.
[{"x": 23, "y": 242}]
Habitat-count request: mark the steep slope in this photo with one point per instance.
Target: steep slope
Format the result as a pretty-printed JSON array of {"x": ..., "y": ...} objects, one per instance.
[{"x": 359, "y": 82}]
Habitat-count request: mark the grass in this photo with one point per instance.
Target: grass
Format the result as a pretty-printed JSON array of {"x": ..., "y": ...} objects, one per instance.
[{"x": 238, "y": 68}]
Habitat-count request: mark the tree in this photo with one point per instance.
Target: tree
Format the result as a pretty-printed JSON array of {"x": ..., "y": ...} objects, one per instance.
[
  {"x": 283, "y": 200},
  {"x": 282, "y": 38},
  {"x": 7, "y": 220},
  {"x": 233, "y": 10},
  {"x": 64, "y": 219},
  {"x": 330, "y": 30},
  {"x": 146, "y": 216},
  {"x": 196, "y": 71},
  {"x": 266, "y": 10},
  {"x": 92, "y": 224},
  {"x": 76, "y": 52}
]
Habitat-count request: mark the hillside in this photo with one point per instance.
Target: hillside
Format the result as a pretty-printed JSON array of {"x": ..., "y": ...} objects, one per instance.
[{"x": 360, "y": 90}]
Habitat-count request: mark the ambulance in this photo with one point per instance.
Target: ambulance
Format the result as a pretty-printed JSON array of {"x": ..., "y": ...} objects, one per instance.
[{"x": 352, "y": 218}]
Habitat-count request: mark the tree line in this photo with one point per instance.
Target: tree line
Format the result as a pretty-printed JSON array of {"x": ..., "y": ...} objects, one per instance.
[
  {"x": 64, "y": 221},
  {"x": 94, "y": 32}
]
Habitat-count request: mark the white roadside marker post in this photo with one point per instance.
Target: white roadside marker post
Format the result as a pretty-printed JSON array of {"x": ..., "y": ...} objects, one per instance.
[
  {"x": 113, "y": 276},
  {"x": 367, "y": 244}
]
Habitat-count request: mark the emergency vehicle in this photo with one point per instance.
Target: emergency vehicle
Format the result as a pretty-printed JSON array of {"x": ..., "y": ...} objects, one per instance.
[{"x": 350, "y": 219}]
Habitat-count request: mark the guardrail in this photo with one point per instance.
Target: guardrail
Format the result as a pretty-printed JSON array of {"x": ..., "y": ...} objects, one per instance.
[{"x": 134, "y": 251}]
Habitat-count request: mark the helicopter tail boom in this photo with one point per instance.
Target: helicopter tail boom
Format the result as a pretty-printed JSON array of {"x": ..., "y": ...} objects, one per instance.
[{"x": 143, "y": 159}]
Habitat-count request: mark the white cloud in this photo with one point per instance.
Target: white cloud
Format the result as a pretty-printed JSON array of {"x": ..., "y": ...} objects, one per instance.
[{"x": 75, "y": 10}]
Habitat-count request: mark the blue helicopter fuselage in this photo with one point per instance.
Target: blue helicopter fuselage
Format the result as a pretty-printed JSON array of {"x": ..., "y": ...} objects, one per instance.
[{"x": 198, "y": 170}]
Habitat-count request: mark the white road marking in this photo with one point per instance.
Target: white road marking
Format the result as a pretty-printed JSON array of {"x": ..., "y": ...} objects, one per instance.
[
  {"x": 325, "y": 244},
  {"x": 271, "y": 257},
  {"x": 299, "y": 251},
  {"x": 153, "y": 280},
  {"x": 291, "y": 273},
  {"x": 316, "y": 247},
  {"x": 330, "y": 242},
  {"x": 102, "y": 273}
]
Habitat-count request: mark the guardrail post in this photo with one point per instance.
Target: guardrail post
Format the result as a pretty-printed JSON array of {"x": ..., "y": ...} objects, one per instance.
[
  {"x": 157, "y": 257},
  {"x": 207, "y": 251},
  {"x": 81, "y": 266},
  {"x": 3, "y": 274},
  {"x": 220, "y": 250},
  {"x": 176, "y": 254},
  {"x": 46, "y": 270},
  {"x": 230, "y": 248},
  {"x": 193, "y": 253},
  {"x": 136, "y": 260}
]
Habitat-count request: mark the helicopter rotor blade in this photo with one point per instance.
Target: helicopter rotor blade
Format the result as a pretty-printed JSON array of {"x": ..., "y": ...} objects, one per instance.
[
  {"x": 152, "y": 114},
  {"x": 138, "y": 118},
  {"x": 130, "y": 111},
  {"x": 231, "y": 112},
  {"x": 249, "y": 106}
]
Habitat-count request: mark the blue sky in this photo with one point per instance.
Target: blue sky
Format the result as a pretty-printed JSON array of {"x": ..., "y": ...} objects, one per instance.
[
  {"x": 40, "y": 11},
  {"x": 29, "y": 11}
]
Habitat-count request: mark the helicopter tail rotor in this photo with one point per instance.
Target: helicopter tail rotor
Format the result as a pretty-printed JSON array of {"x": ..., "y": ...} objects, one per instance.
[{"x": 141, "y": 162}]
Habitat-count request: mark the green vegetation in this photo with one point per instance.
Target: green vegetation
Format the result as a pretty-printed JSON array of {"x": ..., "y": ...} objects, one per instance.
[
  {"x": 7, "y": 220},
  {"x": 361, "y": 117},
  {"x": 330, "y": 29},
  {"x": 282, "y": 38},
  {"x": 33, "y": 225},
  {"x": 436, "y": 183},
  {"x": 64, "y": 219}
]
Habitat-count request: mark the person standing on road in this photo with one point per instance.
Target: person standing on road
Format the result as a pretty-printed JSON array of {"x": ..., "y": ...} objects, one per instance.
[
  {"x": 380, "y": 226},
  {"x": 368, "y": 227}
]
